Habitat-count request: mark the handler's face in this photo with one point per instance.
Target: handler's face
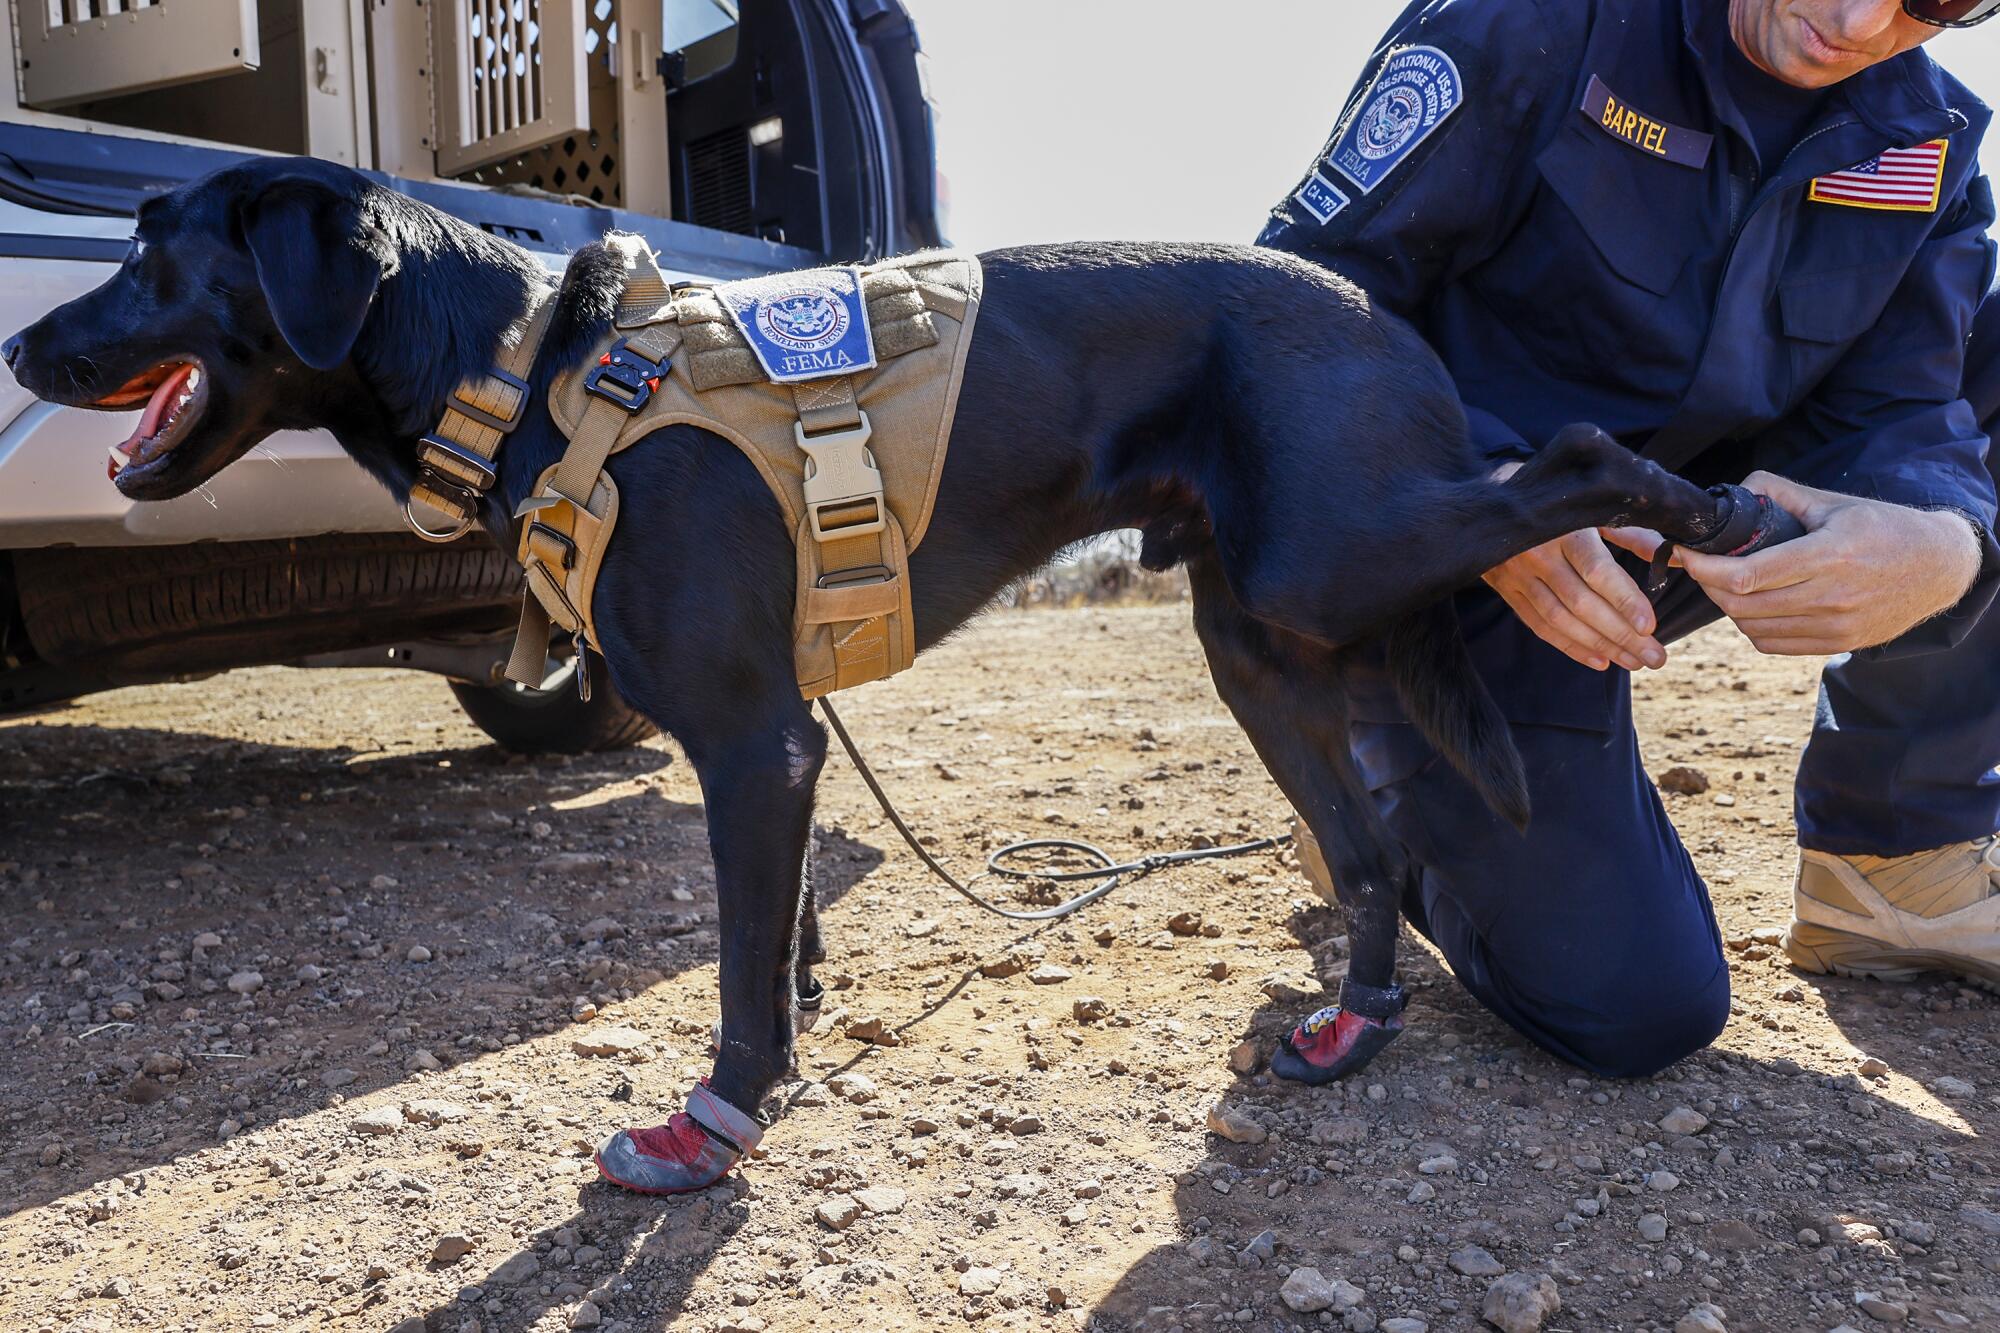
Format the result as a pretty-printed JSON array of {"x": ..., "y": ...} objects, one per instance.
[{"x": 1815, "y": 43}]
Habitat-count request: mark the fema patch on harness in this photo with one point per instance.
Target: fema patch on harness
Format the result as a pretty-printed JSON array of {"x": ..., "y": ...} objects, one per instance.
[
  {"x": 1417, "y": 88},
  {"x": 803, "y": 326},
  {"x": 1321, "y": 197}
]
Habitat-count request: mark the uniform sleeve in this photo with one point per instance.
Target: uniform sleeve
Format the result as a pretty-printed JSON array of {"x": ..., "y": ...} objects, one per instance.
[
  {"x": 1891, "y": 421},
  {"x": 1403, "y": 223}
]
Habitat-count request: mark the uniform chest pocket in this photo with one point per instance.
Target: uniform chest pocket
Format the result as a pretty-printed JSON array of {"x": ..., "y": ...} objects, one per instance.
[
  {"x": 1586, "y": 280},
  {"x": 1822, "y": 315},
  {"x": 1839, "y": 306}
]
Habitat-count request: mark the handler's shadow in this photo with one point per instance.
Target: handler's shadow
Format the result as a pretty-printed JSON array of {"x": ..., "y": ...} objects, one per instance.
[
  {"x": 176, "y": 780},
  {"x": 1331, "y": 1212}
]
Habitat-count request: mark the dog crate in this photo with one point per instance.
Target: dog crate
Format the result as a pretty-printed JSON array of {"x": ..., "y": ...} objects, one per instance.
[
  {"x": 796, "y": 122},
  {"x": 567, "y": 96}
]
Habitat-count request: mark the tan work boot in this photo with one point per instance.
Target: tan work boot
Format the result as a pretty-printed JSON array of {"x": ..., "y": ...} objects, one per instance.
[
  {"x": 1895, "y": 916},
  {"x": 1311, "y": 860}
]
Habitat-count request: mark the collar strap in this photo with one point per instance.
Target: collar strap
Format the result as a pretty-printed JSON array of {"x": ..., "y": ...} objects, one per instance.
[{"x": 455, "y": 462}]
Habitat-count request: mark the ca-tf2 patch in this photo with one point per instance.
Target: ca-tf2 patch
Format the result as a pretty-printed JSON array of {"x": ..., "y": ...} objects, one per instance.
[
  {"x": 1416, "y": 90},
  {"x": 1321, "y": 197},
  {"x": 803, "y": 326}
]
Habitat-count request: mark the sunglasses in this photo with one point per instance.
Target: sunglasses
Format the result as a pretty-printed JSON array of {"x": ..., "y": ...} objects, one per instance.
[{"x": 1951, "y": 13}]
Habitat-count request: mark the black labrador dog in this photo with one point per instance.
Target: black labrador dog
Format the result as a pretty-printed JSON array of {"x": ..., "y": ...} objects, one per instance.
[{"x": 1302, "y": 453}]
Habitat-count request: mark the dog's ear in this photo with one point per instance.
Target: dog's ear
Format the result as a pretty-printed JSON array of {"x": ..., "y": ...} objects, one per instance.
[{"x": 318, "y": 272}]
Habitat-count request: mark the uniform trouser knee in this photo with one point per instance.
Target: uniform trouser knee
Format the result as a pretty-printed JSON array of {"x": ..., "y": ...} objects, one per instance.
[
  {"x": 1647, "y": 1033},
  {"x": 1627, "y": 1009}
]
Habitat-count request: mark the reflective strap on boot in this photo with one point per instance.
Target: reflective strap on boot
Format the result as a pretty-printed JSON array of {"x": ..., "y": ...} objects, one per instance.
[
  {"x": 733, "y": 1128},
  {"x": 1377, "y": 1002}
]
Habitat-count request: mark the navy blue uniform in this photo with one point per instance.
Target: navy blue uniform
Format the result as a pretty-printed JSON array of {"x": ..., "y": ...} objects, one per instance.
[{"x": 1565, "y": 198}]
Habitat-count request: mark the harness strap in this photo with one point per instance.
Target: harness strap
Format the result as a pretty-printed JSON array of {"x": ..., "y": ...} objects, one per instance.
[
  {"x": 826, "y": 405},
  {"x": 648, "y": 296},
  {"x": 455, "y": 461},
  {"x": 846, "y": 516},
  {"x": 528, "y": 664}
]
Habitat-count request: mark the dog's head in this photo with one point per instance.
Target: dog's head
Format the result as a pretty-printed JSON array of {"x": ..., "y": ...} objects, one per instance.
[{"x": 233, "y": 316}]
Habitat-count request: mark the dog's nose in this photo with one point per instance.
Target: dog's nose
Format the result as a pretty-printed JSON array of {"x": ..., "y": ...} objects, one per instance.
[{"x": 11, "y": 351}]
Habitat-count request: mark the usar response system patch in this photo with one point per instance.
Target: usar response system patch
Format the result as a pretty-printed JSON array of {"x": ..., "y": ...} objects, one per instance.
[{"x": 1418, "y": 87}]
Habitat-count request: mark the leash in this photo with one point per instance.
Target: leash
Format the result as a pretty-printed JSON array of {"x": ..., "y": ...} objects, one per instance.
[{"x": 1111, "y": 871}]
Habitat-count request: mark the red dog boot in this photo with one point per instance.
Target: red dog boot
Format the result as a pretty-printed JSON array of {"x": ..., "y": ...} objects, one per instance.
[
  {"x": 1343, "y": 1037},
  {"x": 690, "y": 1152}
]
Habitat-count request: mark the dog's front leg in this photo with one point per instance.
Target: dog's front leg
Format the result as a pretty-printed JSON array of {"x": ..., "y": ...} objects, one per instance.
[
  {"x": 757, "y": 784},
  {"x": 759, "y": 796}
]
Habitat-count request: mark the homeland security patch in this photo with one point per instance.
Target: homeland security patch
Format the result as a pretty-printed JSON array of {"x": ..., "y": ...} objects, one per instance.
[
  {"x": 1321, "y": 197},
  {"x": 803, "y": 326},
  {"x": 1417, "y": 88}
]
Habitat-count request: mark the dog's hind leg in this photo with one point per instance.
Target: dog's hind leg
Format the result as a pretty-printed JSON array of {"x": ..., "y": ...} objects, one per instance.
[
  {"x": 1404, "y": 541},
  {"x": 811, "y": 950},
  {"x": 1287, "y": 694}
]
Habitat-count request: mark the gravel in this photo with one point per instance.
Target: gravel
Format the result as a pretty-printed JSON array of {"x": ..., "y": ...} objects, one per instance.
[{"x": 203, "y": 1148}]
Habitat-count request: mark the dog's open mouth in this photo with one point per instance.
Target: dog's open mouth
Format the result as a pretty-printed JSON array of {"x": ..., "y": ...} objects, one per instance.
[{"x": 173, "y": 395}]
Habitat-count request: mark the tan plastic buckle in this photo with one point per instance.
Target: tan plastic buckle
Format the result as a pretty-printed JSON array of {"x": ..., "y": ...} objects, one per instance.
[{"x": 843, "y": 487}]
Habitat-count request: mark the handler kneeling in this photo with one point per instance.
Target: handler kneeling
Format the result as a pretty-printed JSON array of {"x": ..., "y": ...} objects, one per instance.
[{"x": 1745, "y": 237}]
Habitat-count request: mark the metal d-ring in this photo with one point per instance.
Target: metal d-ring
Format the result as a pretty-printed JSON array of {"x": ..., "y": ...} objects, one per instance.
[{"x": 464, "y": 526}]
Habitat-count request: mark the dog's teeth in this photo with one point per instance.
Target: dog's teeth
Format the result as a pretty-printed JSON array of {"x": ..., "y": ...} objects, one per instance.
[
  {"x": 120, "y": 460},
  {"x": 194, "y": 378}
]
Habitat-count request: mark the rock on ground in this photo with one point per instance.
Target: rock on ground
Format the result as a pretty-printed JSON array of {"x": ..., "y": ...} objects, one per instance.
[
  {"x": 1473, "y": 1261},
  {"x": 1683, "y": 1120},
  {"x": 381, "y": 1120},
  {"x": 1307, "y": 1291},
  {"x": 1232, "y": 1123},
  {"x": 1704, "y": 1318},
  {"x": 626, "y": 1042},
  {"x": 1521, "y": 1302}
]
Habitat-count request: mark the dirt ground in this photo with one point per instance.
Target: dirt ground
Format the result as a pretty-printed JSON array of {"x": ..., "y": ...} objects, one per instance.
[{"x": 299, "y": 977}]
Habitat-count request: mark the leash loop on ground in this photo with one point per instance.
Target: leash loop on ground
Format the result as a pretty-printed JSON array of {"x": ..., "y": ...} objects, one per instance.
[{"x": 1108, "y": 872}]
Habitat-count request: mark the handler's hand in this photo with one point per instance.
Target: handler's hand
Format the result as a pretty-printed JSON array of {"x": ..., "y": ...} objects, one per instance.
[
  {"x": 1865, "y": 572},
  {"x": 1572, "y": 594}
]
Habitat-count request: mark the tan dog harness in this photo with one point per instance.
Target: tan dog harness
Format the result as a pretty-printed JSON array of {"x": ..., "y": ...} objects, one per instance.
[{"x": 852, "y": 456}]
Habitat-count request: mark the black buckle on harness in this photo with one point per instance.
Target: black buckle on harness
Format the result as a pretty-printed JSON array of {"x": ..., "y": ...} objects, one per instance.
[
  {"x": 624, "y": 377},
  {"x": 482, "y": 475},
  {"x": 561, "y": 543},
  {"x": 505, "y": 425}
]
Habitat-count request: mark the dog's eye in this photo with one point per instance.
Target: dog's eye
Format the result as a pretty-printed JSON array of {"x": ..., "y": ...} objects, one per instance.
[{"x": 137, "y": 252}]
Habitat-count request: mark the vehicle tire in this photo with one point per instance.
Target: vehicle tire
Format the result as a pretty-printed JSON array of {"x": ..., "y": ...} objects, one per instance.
[
  {"x": 552, "y": 720},
  {"x": 159, "y": 611}
]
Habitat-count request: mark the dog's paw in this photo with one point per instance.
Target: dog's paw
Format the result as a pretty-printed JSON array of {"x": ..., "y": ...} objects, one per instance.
[
  {"x": 1342, "y": 1044},
  {"x": 1342, "y": 1038},
  {"x": 675, "y": 1158},
  {"x": 690, "y": 1152}
]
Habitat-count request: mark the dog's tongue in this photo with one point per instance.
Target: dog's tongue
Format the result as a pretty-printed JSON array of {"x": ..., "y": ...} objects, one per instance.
[{"x": 149, "y": 420}]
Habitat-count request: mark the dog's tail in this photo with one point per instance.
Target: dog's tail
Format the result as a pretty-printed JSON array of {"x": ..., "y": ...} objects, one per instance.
[{"x": 1443, "y": 695}]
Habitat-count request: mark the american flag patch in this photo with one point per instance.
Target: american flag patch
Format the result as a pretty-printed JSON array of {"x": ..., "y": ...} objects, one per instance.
[{"x": 1905, "y": 180}]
